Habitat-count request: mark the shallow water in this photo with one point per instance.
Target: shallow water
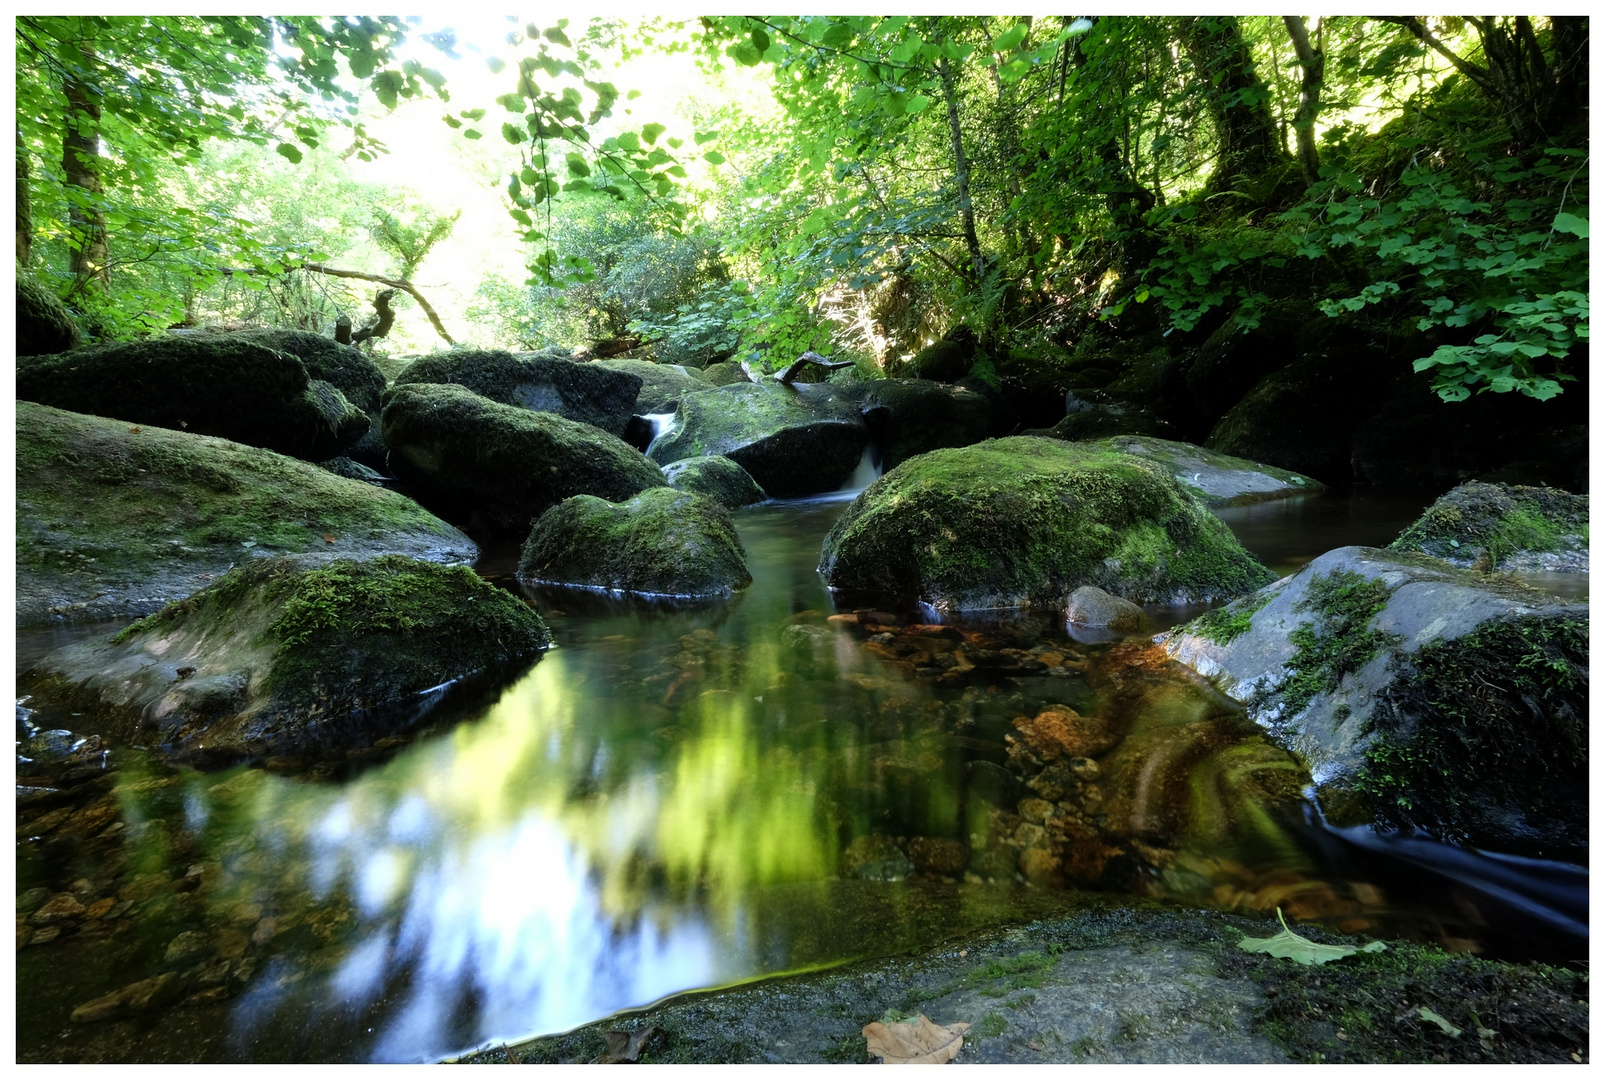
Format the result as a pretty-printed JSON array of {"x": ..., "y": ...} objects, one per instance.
[{"x": 687, "y": 796}]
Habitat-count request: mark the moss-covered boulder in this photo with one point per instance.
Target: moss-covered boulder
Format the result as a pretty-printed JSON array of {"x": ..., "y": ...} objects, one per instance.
[
  {"x": 585, "y": 393},
  {"x": 1086, "y": 419},
  {"x": 1419, "y": 694},
  {"x": 908, "y": 417},
  {"x": 347, "y": 369},
  {"x": 793, "y": 440},
  {"x": 1217, "y": 479},
  {"x": 116, "y": 519},
  {"x": 1020, "y": 522},
  {"x": 464, "y": 453},
  {"x": 724, "y": 373},
  {"x": 211, "y": 385},
  {"x": 1501, "y": 527},
  {"x": 661, "y": 543},
  {"x": 279, "y": 658},
  {"x": 662, "y": 385},
  {"x": 944, "y": 360},
  {"x": 719, "y": 478},
  {"x": 43, "y": 324}
]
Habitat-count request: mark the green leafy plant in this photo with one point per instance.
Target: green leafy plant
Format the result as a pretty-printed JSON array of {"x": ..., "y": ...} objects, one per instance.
[{"x": 1301, "y": 950}]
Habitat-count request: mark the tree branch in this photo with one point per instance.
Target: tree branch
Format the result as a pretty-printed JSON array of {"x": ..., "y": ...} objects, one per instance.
[
  {"x": 394, "y": 283},
  {"x": 1416, "y": 26},
  {"x": 785, "y": 377}
]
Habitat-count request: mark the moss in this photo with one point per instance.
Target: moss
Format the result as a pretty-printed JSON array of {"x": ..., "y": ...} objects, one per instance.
[
  {"x": 719, "y": 478},
  {"x": 1339, "y": 640},
  {"x": 1224, "y": 625},
  {"x": 992, "y": 1025},
  {"x": 1023, "y": 521},
  {"x": 43, "y": 324},
  {"x": 1499, "y": 519},
  {"x": 345, "y": 368},
  {"x": 585, "y": 393},
  {"x": 1473, "y": 731}
]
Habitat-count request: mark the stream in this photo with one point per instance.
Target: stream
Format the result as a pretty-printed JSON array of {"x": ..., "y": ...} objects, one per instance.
[{"x": 691, "y": 796}]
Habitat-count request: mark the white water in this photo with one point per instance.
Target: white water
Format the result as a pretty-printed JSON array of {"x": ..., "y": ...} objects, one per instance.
[
  {"x": 868, "y": 471},
  {"x": 661, "y": 424}
]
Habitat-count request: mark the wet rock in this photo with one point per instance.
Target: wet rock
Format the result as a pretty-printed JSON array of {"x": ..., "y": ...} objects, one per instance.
[
  {"x": 662, "y": 542},
  {"x": 1091, "y": 606},
  {"x": 719, "y": 478},
  {"x": 287, "y": 658},
  {"x": 874, "y": 857},
  {"x": 1039, "y": 866},
  {"x": 591, "y": 394},
  {"x": 100, "y": 907},
  {"x": 43, "y": 935},
  {"x": 993, "y": 784},
  {"x": 1061, "y": 732},
  {"x": 1216, "y": 479},
  {"x": 1089, "y": 415},
  {"x": 913, "y": 416},
  {"x": 724, "y": 373},
  {"x": 1020, "y": 522},
  {"x": 1502, "y": 527},
  {"x": 114, "y": 520},
  {"x": 231, "y": 944},
  {"x": 938, "y": 855},
  {"x": 31, "y": 899},
  {"x": 143, "y": 887},
  {"x": 188, "y": 949},
  {"x": 466, "y": 453},
  {"x": 134, "y": 998},
  {"x": 58, "y": 907},
  {"x": 662, "y": 385}
]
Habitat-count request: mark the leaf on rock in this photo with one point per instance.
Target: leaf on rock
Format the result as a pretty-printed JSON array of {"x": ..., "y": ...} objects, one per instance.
[
  {"x": 626, "y": 1046},
  {"x": 918, "y": 1042},
  {"x": 1447, "y": 1028},
  {"x": 1302, "y": 950}
]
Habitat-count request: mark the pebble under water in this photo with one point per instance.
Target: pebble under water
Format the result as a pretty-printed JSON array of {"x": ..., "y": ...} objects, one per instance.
[{"x": 690, "y": 796}]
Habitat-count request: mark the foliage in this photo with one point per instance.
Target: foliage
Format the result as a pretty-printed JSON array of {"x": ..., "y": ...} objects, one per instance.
[{"x": 1301, "y": 950}]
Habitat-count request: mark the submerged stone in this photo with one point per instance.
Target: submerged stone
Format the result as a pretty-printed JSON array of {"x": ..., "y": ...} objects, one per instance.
[
  {"x": 466, "y": 452},
  {"x": 1091, "y": 606},
  {"x": 793, "y": 440},
  {"x": 276, "y": 657},
  {"x": 719, "y": 478},
  {"x": 662, "y": 542},
  {"x": 116, "y": 519},
  {"x": 584, "y": 393},
  {"x": 1503, "y": 527},
  {"x": 1218, "y": 479},
  {"x": 1419, "y": 694},
  {"x": 207, "y": 385},
  {"x": 1020, "y": 522}
]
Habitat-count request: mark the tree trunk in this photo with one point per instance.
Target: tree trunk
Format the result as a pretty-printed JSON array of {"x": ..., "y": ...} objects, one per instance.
[
  {"x": 961, "y": 169},
  {"x": 24, "y": 208},
  {"x": 1126, "y": 199},
  {"x": 1236, "y": 99},
  {"x": 89, "y": 253},
  {"x": 1313, "y": 63}
]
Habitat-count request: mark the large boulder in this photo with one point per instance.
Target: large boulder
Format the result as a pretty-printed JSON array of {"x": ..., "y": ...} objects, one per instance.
[
  {"x": 1022, "y": 521},
  {"x": 43, "y": 324},
  {"x": 1419, "y": 694},
  {"x": 1217, "y": 479},
  {"x": 719, "y": 478},
  {"x": 662, "y": 385},
  {"x": 724, "y": 373},
  {"x": 1503, "y": 527},
  {"x": 908, "y": 417},
  {"x": 586, "y": 393},
  {"x": 944, "y": 360},
  {"x": 276, "y": 658},
  {"x": 1087, "y": 418},
  {"x": 793, "y": 440},
  {"x": 465, "y": 453},
  {"x": 212, "y": 385},
  {"x": 116, "y": 519},
  {"x": 661, "y": 543},
  {"x": 346, "y": 369}
]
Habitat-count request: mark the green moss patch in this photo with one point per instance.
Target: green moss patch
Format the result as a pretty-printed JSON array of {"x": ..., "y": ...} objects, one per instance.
[
  {"x": 1500, "y": 523},
  {"x": 1224, "y": 625},
  {"x": 43, "y": 324},
  {"x": 1339, "y": 640},
  {"x": 585, "y": 393}
]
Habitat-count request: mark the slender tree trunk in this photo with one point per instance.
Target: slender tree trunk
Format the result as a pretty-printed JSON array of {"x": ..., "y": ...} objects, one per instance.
[
  {"x": 961, "y": 168},
  {"x": 1236, "y": 98},
  {"x": 1313, "y": 63},
  {"x": 24, "y": 207},
  {"x": 1127, "y": 200},
  {"x": 80, "y": 165}
]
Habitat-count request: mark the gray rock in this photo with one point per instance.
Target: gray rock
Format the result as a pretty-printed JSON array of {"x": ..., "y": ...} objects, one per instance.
[
  {"x": 1504, "y": 527},
  {"x": 585, "y": 393},
  {"x": 1091, "y": 606},
  {"x": 719, "y": 478},
  {"x": 662, "y": 385},
  {"x": 1218, "y": 479}
]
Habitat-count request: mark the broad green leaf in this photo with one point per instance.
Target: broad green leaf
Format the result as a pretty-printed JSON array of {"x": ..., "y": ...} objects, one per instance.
[
  {"x": 917, "y": 104},
  {"x": 1302, "y": 950},
  {"x": 1571, "y": 223},
  {"x": 577, "y": 165},
  {"x": 1010, "y": 39},
  {"x": 760, "y": 39},
  {"x": 713, "y": 157},
  {"x": 289, "y": 151},
  {"x": 1445, "y": 1026},
  {"x": 651, "y": 132}
]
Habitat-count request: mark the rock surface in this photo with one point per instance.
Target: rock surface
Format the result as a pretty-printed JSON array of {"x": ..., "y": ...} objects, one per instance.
[
  {"x": 207, "y": 385},
  {"x": 662, "y": 385},
  {"x": 115, "y": 520},
  {"x": 1417, "y": 693},
  {"x": 1020, "y": 522},
  {"x": 43, "y": 323},
  {"x": 793, "y": 440},
  {"x": 1218, "y": 479},
  {"x": 663, "y": 542},
  {"x": 912, "y": 416},
  {"x": 1504, "y": 526},
  {"x": 1092, "y": 607},
  {"x": 1088, "y": 419},
  {"x": 466, "y": 453},
  {"x": 719, "y": 478},
  {"x": 585, "y": 393},
  {"x": 278, "y": 658},
  {"x": 347, "y": 369}
]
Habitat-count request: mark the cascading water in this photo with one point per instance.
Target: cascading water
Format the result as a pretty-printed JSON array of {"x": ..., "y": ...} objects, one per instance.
[{"x": 661, "y": 424}]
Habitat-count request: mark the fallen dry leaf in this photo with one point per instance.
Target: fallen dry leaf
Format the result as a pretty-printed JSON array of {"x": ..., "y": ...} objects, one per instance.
[
  {"x": 915, "y": 1043},
  {"x": 623, "y": 1046}
]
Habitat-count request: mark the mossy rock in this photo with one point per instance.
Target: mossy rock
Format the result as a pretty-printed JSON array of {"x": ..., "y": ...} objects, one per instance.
[
  {"x": 1086, "y": 419},
  {"x": 1444, "y": 699},
  {"x": 793, "y": 440},
  {"x": 116, "y": 519},
  {"x": 347, "y": 369},
  {"x": 279, "y": 658},
  {"x": 210, "y": 385},
  {"x": 945, "y": 360},
  {"x": 724, "y": 373},
  {"x": 1217, "y": 479},
  {"x": 662, "y": 385},
  {"x": 585, "y": 393},
  {"x": 43, "y": 323},
  {"x": 463, "y": 453},
  {"x": 914, "y": 416},
  {"x": 719, "y": 478},
  {"x": 1022, "y": 521},
  {"x": 1501, "y": 527},
  {"x": 661, "y": 543}
]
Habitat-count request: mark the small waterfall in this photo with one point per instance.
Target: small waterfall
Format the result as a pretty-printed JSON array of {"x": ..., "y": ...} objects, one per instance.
[
  {"x": 661, "y": 423},
  {"x": 868, "y": 471}
]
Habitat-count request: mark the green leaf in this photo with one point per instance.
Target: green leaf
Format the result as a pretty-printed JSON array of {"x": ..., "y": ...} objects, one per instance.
[
  {"x": 1302, "y": 950},
  {"x": 1010, "y": 39},
  {"x": 577, "y": 165},
  {"x": 760, "y": 39},
  {"x": 286, "y": 150},
  {"x": 1447, "y": 1028},
  {"x": 512, "y": 134},
  {"x": 1571, "y": 223},
  {"x": 557, "y": 37},
  {"x": 713, "y": 157},
  {"x": 917, "y": 104},
  {"x": 705, "y": 136},
  {"x": 651, "y": 132}
]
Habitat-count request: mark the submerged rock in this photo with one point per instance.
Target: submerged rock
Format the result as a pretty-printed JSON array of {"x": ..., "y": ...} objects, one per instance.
[
  {"x": 585, "y": 393},
  {"x": 1091, "y": 606},
  {"x": 1504, "y": 528},
  {"x": 115, "y": 519},
  {"x": 662, "y": 385},
  {"x": 662, "y": 542},
  {"x": 43, "y": 324},
  {"x": 793, "y": 440},
  {"x": 1218, "y": 479},
  {"x": 1419, "y": 694},
  {"x": 1020, "y": 522},
  {"x": 466, "y": 452},
  {"x": 276, "y": 657},
  {"x": 207, "y": 385},
  {"x": 719, "y": 478},
  {"x": 913, "y": 416}
]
